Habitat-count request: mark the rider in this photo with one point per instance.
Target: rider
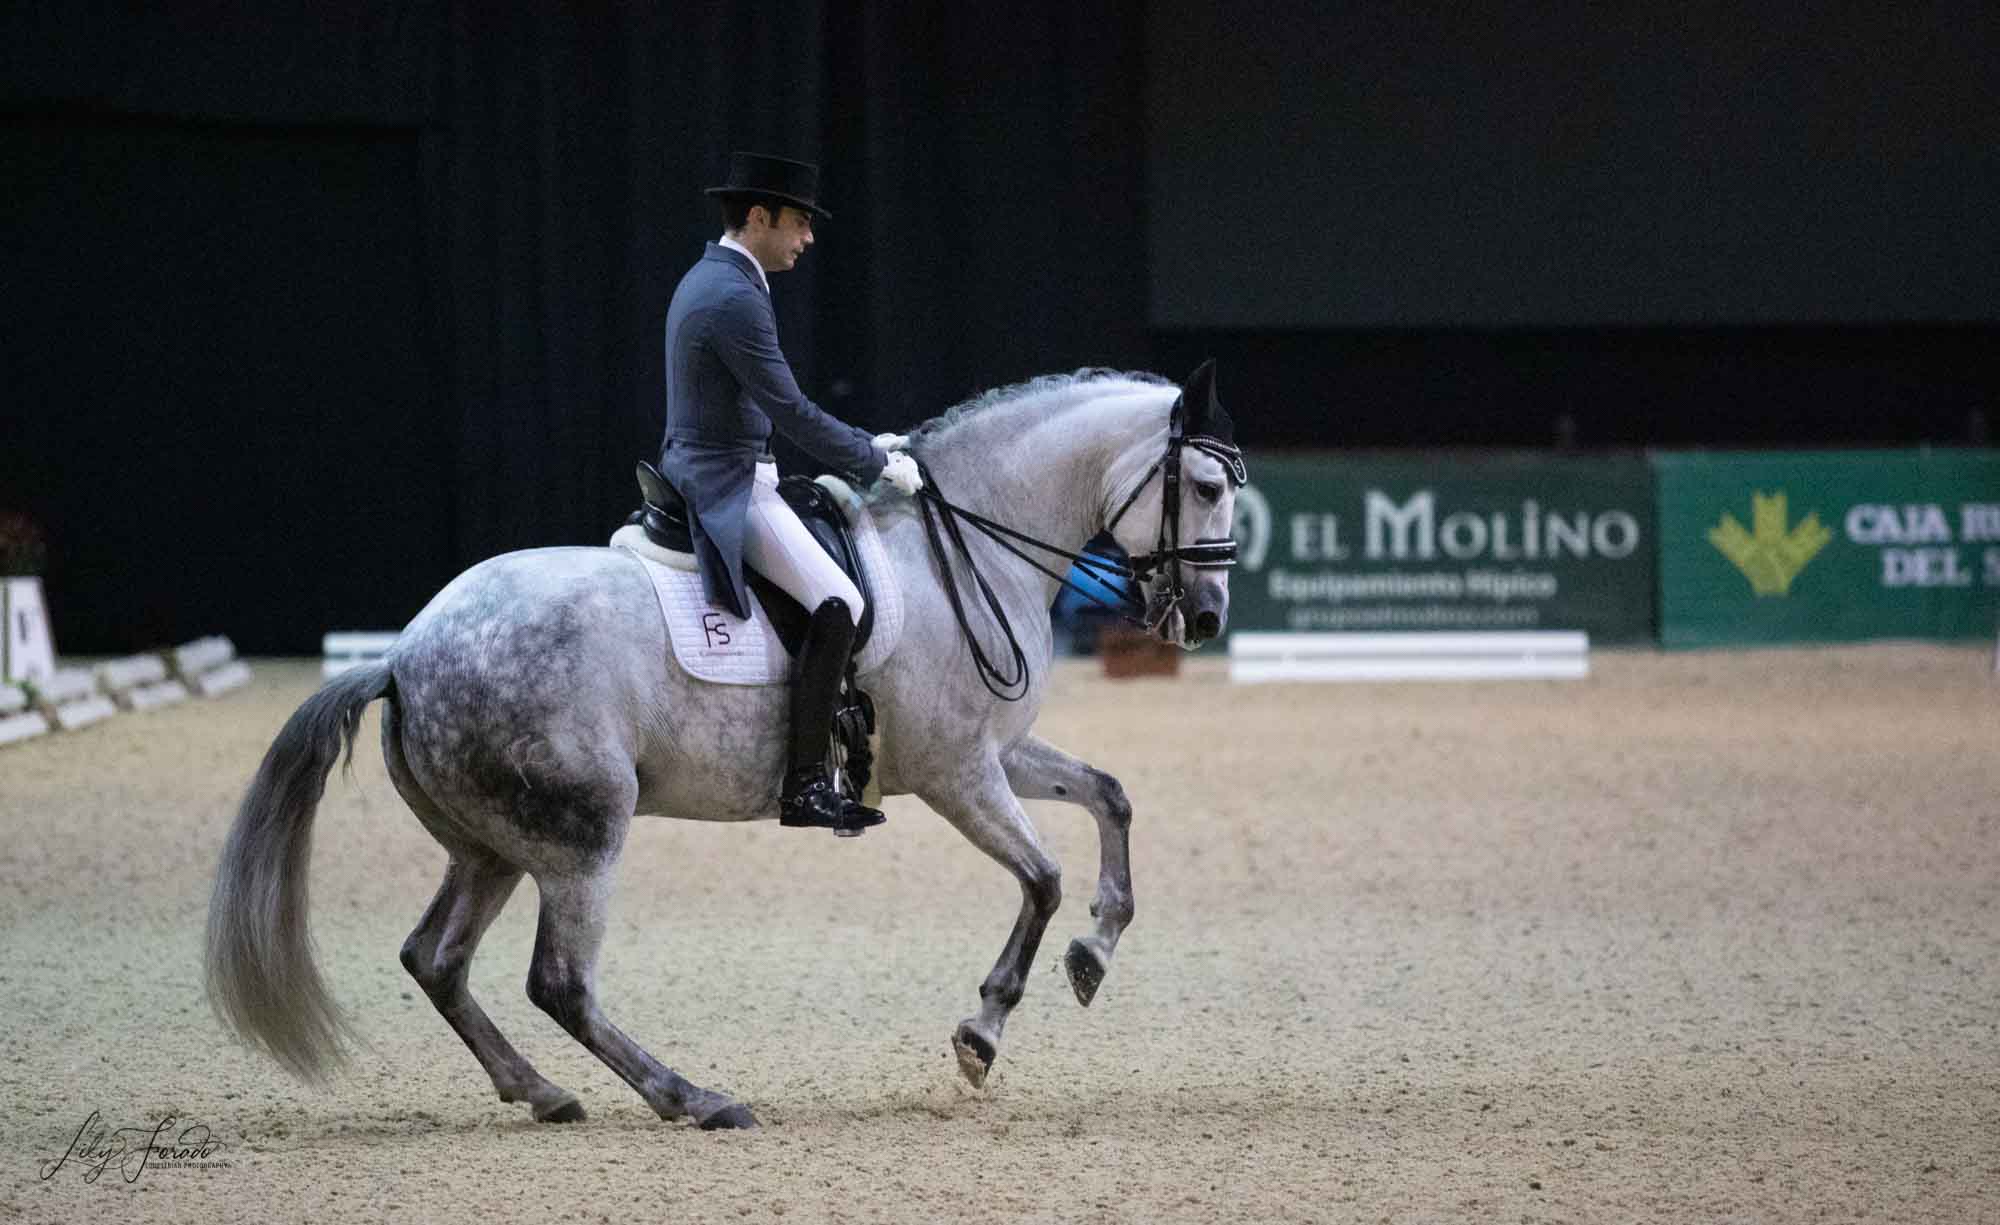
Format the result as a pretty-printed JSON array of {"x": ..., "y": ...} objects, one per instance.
[{"x": 728, "y": 387}]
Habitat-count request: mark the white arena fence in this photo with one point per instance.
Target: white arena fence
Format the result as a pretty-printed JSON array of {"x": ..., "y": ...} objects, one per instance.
[
  {"x": 69, "y": 698},
  {"x": 344, "y": 649},
  {"x": 1263, "y": 658}
]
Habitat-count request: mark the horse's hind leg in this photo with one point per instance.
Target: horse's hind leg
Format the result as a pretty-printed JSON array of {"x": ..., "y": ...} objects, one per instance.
[
  {"x": 982, "y": 808},
  {"x": 562, "y": 983},
  {"x": 438, "y": 954},
  {"x": 1037, "y": 770}
]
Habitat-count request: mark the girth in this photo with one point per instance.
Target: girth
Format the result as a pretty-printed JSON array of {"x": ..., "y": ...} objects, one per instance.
[{"x": 664, "y": 516}]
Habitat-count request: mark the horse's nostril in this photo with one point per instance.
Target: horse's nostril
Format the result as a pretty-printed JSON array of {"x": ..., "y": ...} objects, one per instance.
[{"x": 1207, "y": 624}]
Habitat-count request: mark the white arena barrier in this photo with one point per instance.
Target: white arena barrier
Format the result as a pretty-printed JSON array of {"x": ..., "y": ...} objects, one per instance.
[
  {"x": 140, "y": 682},
  {"x": 119, "y": 675},
  {"x": 193, "y": 658},
  {"x": 84, "y": 711},
  {"x": 349, "y": 648},
  {"x": 1260, "y": 658},
  {"x": 162, "y": 693},
  {"x": 23, "y": 725},
  {"x": 70, "y": 697},
  {"x": 220, "y": 680},
  {"x": 209, "y": 666},
  {"x": 17, "y": 722},
  {"x": 67, "y": 685}
]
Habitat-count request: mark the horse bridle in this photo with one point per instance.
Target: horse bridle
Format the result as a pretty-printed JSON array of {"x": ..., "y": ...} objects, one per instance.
[
  {"x": 1168, "y": 552},
  {"x": 1208, "y": 553}
]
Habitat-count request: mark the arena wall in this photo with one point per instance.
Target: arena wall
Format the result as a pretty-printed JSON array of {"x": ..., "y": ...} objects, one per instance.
[{"x": 1683, "y": 549}]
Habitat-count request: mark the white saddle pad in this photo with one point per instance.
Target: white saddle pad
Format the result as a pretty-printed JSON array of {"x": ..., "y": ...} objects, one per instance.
[{"x": 712, "y": 644}]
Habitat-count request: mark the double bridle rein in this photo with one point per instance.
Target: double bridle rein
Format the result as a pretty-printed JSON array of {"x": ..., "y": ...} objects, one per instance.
[{"x": 942, "y": 519}]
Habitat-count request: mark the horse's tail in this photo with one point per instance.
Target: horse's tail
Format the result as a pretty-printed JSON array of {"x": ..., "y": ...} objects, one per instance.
[{"x": 261, "y": 978}]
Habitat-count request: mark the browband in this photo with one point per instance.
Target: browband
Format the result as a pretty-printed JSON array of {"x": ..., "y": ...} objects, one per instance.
[{"x": 1231, "y": 456}]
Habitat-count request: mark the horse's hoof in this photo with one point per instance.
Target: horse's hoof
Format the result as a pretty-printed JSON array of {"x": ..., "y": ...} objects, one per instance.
[
  {"x": 1086, "y": 971},
  {"x": 975, "y": 1055},
  {"x": 736, "y": 1117},
  {"x": 568, "y": 1110}
]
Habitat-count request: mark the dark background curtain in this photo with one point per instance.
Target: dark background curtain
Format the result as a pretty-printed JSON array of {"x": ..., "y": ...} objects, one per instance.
[{"x": 311, "y": 306}]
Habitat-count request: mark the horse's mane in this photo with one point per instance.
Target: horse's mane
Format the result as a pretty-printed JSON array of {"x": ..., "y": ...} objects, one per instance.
[
  {"x": 1040, "y": 395},
  {"x": 1043, "y": 387}
]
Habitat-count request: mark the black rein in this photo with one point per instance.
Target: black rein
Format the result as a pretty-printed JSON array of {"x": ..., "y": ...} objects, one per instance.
[
  {"x": 939, "y": 513},
  {"x": 942, "y": 519}
]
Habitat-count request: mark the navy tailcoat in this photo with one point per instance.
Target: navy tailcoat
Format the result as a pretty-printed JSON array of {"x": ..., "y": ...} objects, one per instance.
[{"x": 728, "y": 386}]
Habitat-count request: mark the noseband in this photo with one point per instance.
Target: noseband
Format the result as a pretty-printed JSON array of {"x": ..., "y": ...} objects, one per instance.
[{"x": 1168, "y": 553}]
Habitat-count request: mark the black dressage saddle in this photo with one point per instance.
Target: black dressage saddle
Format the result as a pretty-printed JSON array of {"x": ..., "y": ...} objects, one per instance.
[{"x": 665, "y": 520}]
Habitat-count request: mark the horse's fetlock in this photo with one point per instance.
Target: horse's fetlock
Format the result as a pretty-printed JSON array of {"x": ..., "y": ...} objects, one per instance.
[
  {"x": 1115, "y": 908},
  {"x": 1006, "y": 991}
]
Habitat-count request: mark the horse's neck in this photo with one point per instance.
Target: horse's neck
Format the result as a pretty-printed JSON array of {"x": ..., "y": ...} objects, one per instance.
[{"x": 1045, "y": 478}]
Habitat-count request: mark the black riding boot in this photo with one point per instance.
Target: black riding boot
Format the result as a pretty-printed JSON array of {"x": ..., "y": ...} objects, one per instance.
[{"x": 809, "y": 796}]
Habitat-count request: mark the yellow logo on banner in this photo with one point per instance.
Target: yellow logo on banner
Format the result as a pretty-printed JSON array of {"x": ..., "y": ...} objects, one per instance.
[{"x": 1771, "y": 553}]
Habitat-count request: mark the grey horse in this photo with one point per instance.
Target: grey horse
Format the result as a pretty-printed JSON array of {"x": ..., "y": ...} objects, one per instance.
[{"x": 534, "y": 707}]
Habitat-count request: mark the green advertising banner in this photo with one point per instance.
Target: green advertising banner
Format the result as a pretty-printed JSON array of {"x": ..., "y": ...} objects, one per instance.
[
  {"x": 1446, "y": 542},
  {"x": 1776, "y": 547}
]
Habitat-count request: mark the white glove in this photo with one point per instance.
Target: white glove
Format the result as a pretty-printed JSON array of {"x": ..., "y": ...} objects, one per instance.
[
  {"x": 901, "y": 471},
  {"x": 892, "y": 442}
]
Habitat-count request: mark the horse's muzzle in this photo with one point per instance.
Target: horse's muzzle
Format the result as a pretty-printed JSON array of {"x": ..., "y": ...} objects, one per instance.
[{"x": 1186, "y": 627}]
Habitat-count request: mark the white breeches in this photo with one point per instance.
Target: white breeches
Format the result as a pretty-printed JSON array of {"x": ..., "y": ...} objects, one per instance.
[{"x": 782, "y": 550}]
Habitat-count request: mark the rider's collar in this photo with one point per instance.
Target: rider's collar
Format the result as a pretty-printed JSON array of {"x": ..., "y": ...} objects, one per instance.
[{"x": 740, "y": 249}]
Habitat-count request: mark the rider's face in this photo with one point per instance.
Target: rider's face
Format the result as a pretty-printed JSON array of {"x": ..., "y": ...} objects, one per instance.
[{"x": 778, "y": 245}]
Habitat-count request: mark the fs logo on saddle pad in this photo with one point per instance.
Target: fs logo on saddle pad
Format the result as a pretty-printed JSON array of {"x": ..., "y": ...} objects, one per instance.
[{"x": 712, "y": 644}]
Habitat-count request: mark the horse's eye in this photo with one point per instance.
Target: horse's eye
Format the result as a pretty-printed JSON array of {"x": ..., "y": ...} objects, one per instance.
[{"x": 1209, "y": 491}]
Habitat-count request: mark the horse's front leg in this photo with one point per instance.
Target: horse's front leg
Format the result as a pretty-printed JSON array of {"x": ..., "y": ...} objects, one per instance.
[
  {"x": 979, "y": 805},
  {"x": 1038, "y": 770}
]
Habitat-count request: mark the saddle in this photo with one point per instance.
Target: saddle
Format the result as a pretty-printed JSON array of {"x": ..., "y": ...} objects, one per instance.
[{"x": 664, "y": 518}]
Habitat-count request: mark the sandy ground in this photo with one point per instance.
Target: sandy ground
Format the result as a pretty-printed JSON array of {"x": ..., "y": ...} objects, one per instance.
[{"x": 1703, "y": 938}]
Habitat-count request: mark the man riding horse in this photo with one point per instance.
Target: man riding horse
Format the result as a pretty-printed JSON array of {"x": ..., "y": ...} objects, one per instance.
[{"x": 728, "y": 387}]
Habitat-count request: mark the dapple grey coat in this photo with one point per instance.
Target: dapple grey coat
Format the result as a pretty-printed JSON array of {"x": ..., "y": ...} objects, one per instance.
[
  {"x": 728, "y": 386},
  {"x": 533, "y": 709}
]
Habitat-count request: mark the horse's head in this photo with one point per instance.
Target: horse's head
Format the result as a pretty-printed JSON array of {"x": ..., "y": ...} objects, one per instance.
[{"x": 1177, "y": 516}]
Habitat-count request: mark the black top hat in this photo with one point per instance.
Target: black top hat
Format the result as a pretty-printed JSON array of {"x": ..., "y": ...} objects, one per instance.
[{"x": 755, "y": 174}]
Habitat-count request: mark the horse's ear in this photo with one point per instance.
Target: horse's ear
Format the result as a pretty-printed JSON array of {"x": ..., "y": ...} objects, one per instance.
[{"x": 1198, "y": 408}]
